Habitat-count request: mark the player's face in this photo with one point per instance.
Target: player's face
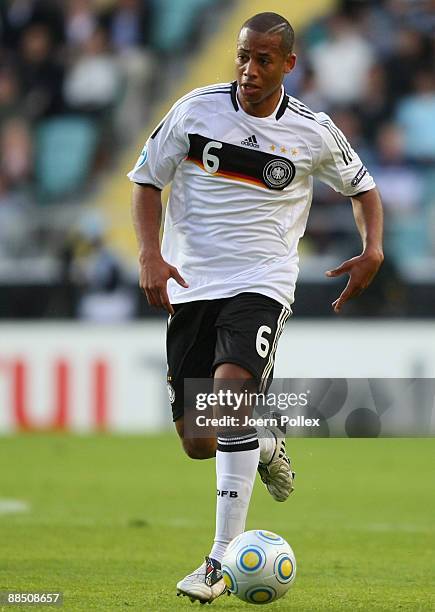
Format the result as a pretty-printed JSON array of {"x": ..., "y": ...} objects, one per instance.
[{"x": 261, "y": 65}]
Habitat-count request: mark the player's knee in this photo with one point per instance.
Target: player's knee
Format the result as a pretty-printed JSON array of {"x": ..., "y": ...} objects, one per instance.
[
  {"x": 201, "y": 448},
  {"x": 231, "y": 371}
]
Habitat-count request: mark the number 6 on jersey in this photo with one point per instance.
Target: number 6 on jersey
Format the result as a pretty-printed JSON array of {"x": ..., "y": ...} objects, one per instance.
[{"x": 211, "y": 162}]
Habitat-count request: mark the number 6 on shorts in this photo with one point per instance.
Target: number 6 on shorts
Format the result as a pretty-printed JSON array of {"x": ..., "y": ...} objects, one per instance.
[{"x": 261, "y": 343}]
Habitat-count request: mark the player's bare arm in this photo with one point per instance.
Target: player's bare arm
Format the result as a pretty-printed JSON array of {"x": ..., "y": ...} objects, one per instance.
[
  {"x": 367, "y": 210},
  {"x": 154, "y": 271}
]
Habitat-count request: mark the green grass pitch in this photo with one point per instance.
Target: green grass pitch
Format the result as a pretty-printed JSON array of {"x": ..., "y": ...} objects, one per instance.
[{"x": 115, "y": 522}]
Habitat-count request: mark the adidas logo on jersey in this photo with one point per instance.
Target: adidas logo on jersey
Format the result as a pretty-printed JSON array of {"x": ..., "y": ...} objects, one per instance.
[{"x": 251, "y": 142}]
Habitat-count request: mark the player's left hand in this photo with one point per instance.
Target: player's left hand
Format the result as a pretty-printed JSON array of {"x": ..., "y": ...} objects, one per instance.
[{"x": 361, "y": 271}]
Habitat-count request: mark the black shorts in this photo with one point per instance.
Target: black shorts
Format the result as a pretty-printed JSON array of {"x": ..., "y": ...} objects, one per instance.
[{"x": 243, "y": 330}]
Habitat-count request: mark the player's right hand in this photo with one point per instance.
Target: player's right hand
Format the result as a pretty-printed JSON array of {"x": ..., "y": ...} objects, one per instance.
[{"x": 153, "y": 279}]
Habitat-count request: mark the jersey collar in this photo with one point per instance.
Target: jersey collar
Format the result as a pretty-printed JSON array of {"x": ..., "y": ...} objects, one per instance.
[{"x": 280, "y": 110}]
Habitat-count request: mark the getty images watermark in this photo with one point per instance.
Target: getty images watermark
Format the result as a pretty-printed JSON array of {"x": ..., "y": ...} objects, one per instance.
[
  {"x": 311, "y": 407},
  {"x": 238, "y": 409}
]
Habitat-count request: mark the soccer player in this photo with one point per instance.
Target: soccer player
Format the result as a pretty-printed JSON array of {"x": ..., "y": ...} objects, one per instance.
[{"x": 241, "y": 157}]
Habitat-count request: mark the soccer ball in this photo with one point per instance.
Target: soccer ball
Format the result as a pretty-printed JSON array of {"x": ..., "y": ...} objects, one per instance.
[{"x": 259, "y": 566}]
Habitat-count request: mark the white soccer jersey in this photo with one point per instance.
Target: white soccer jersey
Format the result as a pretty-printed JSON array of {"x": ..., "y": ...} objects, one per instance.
[{"x": 241, "y": 190}]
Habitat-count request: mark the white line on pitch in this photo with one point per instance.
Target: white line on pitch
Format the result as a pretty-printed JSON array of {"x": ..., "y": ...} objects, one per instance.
[{"x": 13, "y": 506}]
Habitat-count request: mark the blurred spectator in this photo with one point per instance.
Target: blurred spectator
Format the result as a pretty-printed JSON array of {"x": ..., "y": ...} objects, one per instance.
[
  {"x": 411, "y": 52},
  {"x": 308, "y": 91},
  {"x": 110, "y": 302},
  {"x": 9, "y": 93},
  {"x": 19, "y": 15},
  {"x": 80, "y": 22},
  {"x": 104, "y": 298},
  {"x": 375, "y": 106},
  {"x": 93, "y": 84},
  {"x": 375, "y": 23},
  {"x": 416, "y": 14},
  {"x": 40, "y": 74},
  {"x": 416, "y": 116},
  {"x": 16, "y": 151},
  {"x": 400, "y": 184},
  {"x": 128, "y": 23},
  {"x": 342, "y": 63},
  {"x": 15, "y": 221},
  {"x": 402, "y": 187}
]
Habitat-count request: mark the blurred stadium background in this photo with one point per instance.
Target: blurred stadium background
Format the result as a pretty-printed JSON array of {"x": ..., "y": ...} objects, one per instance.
[{"x": 82, "y": 83}]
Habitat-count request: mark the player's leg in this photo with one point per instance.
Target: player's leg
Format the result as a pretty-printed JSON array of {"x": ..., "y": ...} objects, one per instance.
[
  {"x": 190, "y": 349},
  {"x": 237, "y": 457},
  {"x": 195, "y": 448},
  {"x": 249, "y": 326}
]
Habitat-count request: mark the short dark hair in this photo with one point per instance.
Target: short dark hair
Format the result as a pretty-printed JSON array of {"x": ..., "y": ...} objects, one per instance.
[{"x": 272, "y": 23}]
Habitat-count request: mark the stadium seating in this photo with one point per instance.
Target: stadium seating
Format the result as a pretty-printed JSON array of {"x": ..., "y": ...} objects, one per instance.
[
  {"x": 65, "y": 147},
  {"x": 174, "y": 21}
]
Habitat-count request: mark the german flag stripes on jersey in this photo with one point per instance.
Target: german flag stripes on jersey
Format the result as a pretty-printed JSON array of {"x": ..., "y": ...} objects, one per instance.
[{"x": 243, "y": 164}]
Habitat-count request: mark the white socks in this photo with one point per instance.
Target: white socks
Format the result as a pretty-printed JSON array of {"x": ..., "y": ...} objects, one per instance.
[{"x": 236, "y": 466}]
